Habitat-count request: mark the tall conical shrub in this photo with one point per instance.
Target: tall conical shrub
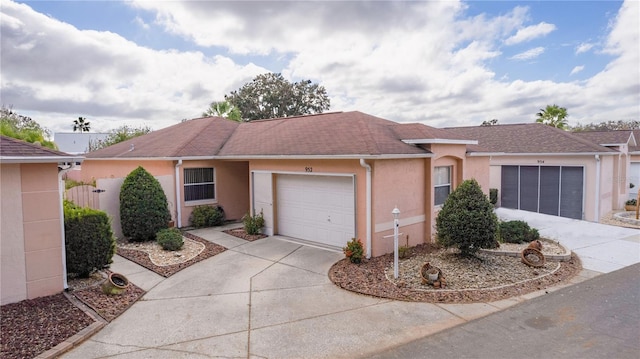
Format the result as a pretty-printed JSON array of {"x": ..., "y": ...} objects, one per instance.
[
  {"x": 143, "y": 206},
  {"x": 467, "y": 220}
]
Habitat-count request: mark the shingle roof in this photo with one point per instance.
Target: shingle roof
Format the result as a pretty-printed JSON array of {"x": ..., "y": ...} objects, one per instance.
[
  {"x": 607, "y": 138},
  {"x": 331, "y": 134},
  {"x": 13, "y": 148},
  {"x": 328, "y": 134},
  {"x": 528, "y": 138},
  {"x": 194, "y": 138}
]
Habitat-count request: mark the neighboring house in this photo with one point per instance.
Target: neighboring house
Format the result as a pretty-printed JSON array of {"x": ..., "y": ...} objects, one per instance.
[
  {"x": 322, "y": 178},
  {"x": 626, "y": 169},
  {"x": 32, "y": 225},
  {"x": 634, "y": 167},
  {"x": 543, "y": 169},
  {"x": 77, "y": 143}
]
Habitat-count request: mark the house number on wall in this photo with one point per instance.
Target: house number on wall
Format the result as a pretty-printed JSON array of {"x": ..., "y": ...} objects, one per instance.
[
  {"x": 308, "y": 169},
  {"x": 540, "y": 161}
]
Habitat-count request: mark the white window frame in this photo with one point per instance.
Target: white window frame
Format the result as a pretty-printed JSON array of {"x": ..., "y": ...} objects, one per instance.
[
  {"x": 204, "y": 200},
  {"x": 441, "y": 185}
]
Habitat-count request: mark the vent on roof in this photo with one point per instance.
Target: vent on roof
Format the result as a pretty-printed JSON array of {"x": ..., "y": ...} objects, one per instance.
[{"x": 133, "y": 147}]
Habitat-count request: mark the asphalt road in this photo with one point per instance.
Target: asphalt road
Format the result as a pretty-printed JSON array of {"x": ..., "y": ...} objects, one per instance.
[{"x": 597, "y": 318}]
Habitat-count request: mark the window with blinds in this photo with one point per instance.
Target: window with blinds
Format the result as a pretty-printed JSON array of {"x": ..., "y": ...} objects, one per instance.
[
  {"x": 199, "y": 184},
  {"x": 442, "y": 184}
]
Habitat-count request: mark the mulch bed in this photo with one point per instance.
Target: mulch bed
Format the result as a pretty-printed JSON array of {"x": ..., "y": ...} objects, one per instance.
[
  {"x": 33, "y": 326},
  {"x": 369, "y": 278},
  {"x": 240, "y": 233},
  {"x": 108, "y": 306},
  {"x": 142, "y": 258}
]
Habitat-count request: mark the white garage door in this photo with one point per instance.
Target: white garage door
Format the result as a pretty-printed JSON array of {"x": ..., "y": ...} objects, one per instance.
[{"x": 316, "y": 208}]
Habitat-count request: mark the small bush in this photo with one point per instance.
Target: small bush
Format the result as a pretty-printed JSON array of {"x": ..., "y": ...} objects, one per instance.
[
  {"x": 170, "y": 239},
  {"x": 143, "y": 206},
  {"x": 207, "y": 216},
  {"x": 493, "y": 196},
  {"x": 89, "y": 240},
  {"x": 517, "y": 232},
  {"x": 354, "y": 250},
  {"x": 631, "y": 202},
  {"x": 253, "y": 224},
  {"x": 467, "y": 220}
]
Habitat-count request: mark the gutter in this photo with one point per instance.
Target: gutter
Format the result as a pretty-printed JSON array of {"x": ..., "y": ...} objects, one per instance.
[
  {"x": 178, "y": 199},
  {"x": 368, "y": 200},
  {"x": 61, "y": 189},
  {"x": 597, "y": 214}
]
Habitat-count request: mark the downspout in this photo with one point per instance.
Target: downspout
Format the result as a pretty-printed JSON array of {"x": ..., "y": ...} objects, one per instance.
[
  {"x": 61, "y": 189},
  {"x": 178, "y": 206},
  {"x": 597, "y": 217},
  {"x": 368, "y": 190}
]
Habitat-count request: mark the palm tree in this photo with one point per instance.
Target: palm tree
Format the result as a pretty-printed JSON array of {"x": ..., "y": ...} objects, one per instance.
[
  {"x": 223, "y": 109},
  {"x": 554, "y": 116},
  {"x": 81, "y": 124}
]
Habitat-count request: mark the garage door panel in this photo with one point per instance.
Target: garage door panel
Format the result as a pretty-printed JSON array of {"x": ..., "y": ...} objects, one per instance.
[
  {"x": 316, "y": 208},
  {"x": 550, "y": 190},
  {"x": 555, "y": 190}
]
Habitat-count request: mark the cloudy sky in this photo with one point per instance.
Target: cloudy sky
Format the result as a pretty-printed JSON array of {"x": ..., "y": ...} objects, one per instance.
[{"x": 442, "y": 63}]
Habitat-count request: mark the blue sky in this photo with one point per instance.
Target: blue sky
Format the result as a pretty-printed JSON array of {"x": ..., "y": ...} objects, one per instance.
[{"x": 444, "y": 63}]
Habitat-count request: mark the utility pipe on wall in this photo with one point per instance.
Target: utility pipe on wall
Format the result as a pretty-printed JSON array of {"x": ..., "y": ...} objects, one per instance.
[
  {"x": 178, "y": 206},
  {"x": 368, "y": 204},
  {"x": 61, "y": 189},
  {"x": 597, "y": 217}
]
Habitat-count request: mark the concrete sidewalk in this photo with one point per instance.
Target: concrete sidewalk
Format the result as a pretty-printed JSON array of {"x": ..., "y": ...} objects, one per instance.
[{"x": 272, "y": 299}]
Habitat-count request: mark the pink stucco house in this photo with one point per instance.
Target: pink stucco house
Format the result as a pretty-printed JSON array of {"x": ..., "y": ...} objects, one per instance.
[
  {"x": 538, "y": 168},
  {"x": 322, "y": 178},
  {"x": 31, "y": 230}
]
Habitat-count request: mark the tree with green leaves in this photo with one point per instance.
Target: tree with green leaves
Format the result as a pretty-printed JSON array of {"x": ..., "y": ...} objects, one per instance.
[
  {"x": 493, "y": 122},
  {"x": 554, "y": 116},
  {"x": 223, "y": 109},
  {"x": 81, "y": 124},
  {"x": 272, "y": 96},
  {"x": 23, "y": 128},
  {"x": 118, "y": 135},
  {"x": 610, "y": 125}
]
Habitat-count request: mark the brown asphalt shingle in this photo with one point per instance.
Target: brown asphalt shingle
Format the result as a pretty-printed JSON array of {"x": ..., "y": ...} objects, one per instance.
[
  {"x": 11, "y": 147},
  {"x": 328, "y": 134},
  {"x": 194, "y": 138},
  {"x": 607, "y": 137},
  {"x": 526, "y": 138}
]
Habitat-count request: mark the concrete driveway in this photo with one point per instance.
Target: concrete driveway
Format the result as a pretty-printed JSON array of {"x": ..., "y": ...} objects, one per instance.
[{"x": 268, "y": 299}]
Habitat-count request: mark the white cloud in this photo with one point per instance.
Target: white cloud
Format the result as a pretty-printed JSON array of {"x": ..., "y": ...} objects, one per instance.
[
  {"x": 529, "y": 54},
  {"x": 577, "y": 69},
  {"x": 405, "y": 61},
  {"x": 584, "y": 47},
  {"x": 140, "y": 22},
  {"x": 530, "y": 32}
]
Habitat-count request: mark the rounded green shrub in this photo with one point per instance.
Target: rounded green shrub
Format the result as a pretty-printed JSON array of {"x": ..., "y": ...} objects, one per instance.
[
  {"x": 466, "y": 220},
  {"x": 207, "y": 216},
  {"x": 143, "y": 206},
  {"x": 517, "y": 232},
  {"x": 89, "y": 240},
  {"x": 170, "y": 239}
]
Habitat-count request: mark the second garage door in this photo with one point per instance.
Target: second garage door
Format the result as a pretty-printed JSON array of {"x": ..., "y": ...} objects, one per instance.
[
  {"x": 319, "y": 209},
  {"x": 555, "y": 190}
]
